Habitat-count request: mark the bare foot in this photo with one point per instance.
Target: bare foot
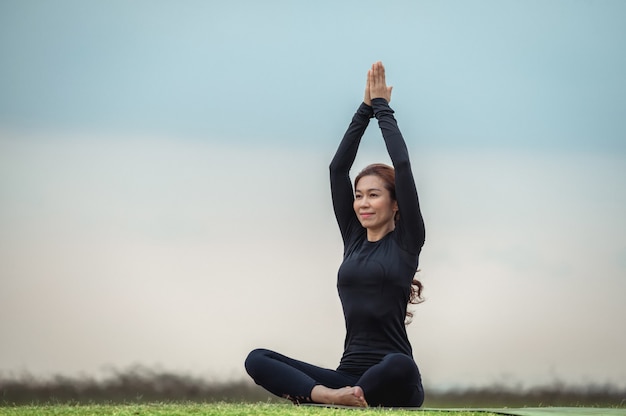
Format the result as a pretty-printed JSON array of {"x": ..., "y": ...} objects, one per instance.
[
  {"x": 358, "y": 392},
  {"x": 346, "y": 396}
]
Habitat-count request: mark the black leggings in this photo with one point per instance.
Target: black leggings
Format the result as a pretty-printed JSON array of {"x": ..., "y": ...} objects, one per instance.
[{"x": 395, "y": 381}]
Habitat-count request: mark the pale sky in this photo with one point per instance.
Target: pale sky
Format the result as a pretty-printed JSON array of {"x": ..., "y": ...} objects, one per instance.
[{"x": 164, "y": 193}]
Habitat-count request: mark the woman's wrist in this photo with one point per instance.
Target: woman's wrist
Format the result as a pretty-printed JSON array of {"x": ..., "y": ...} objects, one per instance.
[{"x": 366, "y": 110}]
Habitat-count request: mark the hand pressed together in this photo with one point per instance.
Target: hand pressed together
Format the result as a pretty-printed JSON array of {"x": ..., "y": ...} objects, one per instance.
[{"x": 376, "y": 86}]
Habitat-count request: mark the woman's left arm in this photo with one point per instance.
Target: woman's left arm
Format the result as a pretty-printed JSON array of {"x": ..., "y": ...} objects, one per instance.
[{"x": 411, "y": 223}]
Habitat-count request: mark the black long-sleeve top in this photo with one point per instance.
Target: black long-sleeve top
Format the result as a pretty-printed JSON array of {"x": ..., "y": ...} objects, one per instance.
[{"x": 374, "y": 279}]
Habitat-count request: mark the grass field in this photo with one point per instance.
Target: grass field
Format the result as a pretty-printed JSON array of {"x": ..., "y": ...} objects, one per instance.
[{"x": 221, "y": 409}]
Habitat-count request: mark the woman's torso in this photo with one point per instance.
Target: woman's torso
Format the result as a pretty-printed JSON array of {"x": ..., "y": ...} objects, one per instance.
[{"x": 374, "y": 283}]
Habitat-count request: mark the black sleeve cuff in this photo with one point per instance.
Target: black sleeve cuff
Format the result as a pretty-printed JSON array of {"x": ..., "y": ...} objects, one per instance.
[
  {"x": 381, "y": 106},
  {"x": 365, "y": 111}
]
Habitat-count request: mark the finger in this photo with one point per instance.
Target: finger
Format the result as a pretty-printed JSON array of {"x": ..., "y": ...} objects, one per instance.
[
  {"x": 376, "y": 73},
  {"x": 381, "y": 72}
]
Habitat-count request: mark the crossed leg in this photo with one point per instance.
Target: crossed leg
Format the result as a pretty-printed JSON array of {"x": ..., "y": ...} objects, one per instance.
[
  {"x": 395, "y": 381},
  {"x": 301, "y": 382}
]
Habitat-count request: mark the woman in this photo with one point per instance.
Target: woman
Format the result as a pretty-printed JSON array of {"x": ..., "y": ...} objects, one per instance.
[{"x": 383, "y": 232}]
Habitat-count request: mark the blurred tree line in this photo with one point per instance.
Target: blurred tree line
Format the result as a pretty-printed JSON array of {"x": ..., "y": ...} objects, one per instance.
[{"x": 143, "y": 385}]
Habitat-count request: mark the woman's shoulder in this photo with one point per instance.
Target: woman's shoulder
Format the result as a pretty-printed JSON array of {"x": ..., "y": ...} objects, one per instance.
[
  {"x": 354, "y": 238},
  {"x": 406, "y": 242}
]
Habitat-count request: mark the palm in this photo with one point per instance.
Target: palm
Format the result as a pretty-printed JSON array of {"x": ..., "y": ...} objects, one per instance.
[{"x": 377, "y": 84}]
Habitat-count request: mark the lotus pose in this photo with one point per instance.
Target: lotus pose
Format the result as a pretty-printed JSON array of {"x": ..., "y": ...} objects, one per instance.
[{"x": 383, "y": 232}]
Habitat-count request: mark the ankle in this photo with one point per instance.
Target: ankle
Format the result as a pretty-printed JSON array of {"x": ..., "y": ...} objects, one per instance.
[{"x": 321, "y": 394}]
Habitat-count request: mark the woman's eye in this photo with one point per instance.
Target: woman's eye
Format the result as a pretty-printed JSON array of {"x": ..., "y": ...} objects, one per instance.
[{"x": 357, "y": 196}]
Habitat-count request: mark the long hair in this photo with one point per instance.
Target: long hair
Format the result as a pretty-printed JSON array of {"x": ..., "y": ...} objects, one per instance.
[
  {"x": 388, "y": 175},
  {"x": 415, "y": 297}
]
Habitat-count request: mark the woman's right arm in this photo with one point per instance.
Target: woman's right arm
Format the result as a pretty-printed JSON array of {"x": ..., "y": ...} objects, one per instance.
[{"x": 340, "y": 184}]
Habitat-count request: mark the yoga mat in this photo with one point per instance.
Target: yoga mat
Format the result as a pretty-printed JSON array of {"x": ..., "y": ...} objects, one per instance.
[
  {"x": 545, "y": 411},
  {"x": 524, "y": 411}
]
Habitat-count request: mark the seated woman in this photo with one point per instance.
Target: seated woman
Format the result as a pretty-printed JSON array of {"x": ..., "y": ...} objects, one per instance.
[{"x": 383, "y": 232}]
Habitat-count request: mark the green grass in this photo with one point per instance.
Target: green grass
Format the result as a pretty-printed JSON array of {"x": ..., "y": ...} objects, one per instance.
[{"x": 221, "y": 409}]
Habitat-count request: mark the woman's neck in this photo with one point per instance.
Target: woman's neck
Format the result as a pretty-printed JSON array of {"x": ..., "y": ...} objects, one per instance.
[{"x": 378, "y": 233}]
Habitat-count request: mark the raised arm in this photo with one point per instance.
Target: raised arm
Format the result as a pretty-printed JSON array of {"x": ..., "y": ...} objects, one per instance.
[
  {"x": 340, "y": 184},
  {"x": 410, "y": 227}
]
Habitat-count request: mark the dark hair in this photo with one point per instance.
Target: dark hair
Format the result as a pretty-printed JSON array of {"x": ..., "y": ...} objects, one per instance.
[
  {"x": 384, "y": 172},
  {"x": 415, "y": 297},
  {"x": 388, "y": 176}
]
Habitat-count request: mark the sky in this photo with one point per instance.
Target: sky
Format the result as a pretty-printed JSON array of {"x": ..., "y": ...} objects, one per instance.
[{"x": 164, "y": 196}]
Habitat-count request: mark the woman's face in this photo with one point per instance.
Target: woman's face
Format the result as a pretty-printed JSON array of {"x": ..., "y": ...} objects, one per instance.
[{"x": 373, "y": 204}]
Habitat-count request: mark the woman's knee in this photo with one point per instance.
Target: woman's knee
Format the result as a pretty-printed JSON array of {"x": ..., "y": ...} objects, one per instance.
[
  {"x": 399, "y": 359},
  {"x": 395, "y": 381},
  {"x": 255, "y": 359},
  {"x": 401, "y": 366}
]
